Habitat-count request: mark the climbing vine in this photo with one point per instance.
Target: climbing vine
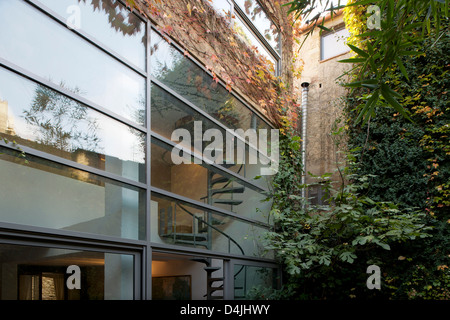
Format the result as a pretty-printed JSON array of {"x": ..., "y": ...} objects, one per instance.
[
  {"x": 210, "y": 37},
  {"x": 409, "y": 161}
]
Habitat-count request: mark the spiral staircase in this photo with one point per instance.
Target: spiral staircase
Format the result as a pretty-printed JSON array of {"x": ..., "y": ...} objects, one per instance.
[{"x": 220, "y": 191}]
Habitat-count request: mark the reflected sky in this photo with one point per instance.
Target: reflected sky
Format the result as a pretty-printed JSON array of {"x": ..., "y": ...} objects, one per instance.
[
  {"x": 196, "y": 85},
  {"x": 91, "y": 132},
  {"x": 43, "y": 47},
  {"x": 244, "y": 32},
  {"x": 261, "y": 21},
  {"x": 109, "y": 22}
]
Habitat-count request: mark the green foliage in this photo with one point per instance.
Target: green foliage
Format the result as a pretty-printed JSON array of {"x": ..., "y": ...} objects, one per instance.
[
  {"x": 13, "y": 144},
  {"x": 333, "y": 244},
  {"x": 426, "y": 284},
  {"x": 409, "y": 164},
  {"x": 404, "y": 26}
]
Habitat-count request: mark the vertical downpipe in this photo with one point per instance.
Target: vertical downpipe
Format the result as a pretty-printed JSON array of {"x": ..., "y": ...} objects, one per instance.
[{"x": 305, "y": 90}]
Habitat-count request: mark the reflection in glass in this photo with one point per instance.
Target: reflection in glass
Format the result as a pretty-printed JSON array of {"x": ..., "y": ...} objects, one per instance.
[
  {"x": 110, "y": 22},
  {"x": 40, "y": 273},
  {"x": 181, "y": 276},
  {"x": 175, "y": 222},
  {"x": 261, "y": 21},
  {"x": 196, "y": 85},
  {"x": 41, "y": 118},
  {"x": 252, "y": 282},
  {"x": 51, "y": 51},
  {"x": 168, "y": 114},
  {"x": 222, "y": 7},
  {"x": 45, "y": 194},
  {"x": 250, "y": 39},
  {"x": 211, "y": 186},
  {"x": 333, "y": 44}
]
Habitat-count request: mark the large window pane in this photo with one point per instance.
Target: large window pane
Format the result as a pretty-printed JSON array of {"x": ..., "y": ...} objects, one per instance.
[
  {"x": 41, "y": 273},
  {"x": 211, "y": 186},
  {"x": 41, "y": 118},
  {"x": 261, "y": 21},
  {"x": 334, "y": 44},
  {"x": 175, "y": 222},
  {"x": 183, "y": 277},
  {"x": 41, "y": 193},
  {"x": 168, "y": 114},
  {"x": 183, "y": 76},
  {"x": 254, "y": 282},
  {"x": 109, "y": 21},
  {"x": 51, "y": 51}
]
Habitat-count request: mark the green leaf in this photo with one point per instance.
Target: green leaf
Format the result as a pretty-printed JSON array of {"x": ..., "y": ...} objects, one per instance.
[
  {"x": 383, "y": 245},
  {"x": 401, "y": 67},
  {"x": 358, "y": 51},
  {"x": 352, "y": 60},
  {"x": 409, "y": 53},
  {"x": 388, "y": 95},
  {"x": 369, "y": 107},
  {"x": 358, "y": 84},
  {"x": 348, "y": 257},
  {"x": 322, "y": 27}
]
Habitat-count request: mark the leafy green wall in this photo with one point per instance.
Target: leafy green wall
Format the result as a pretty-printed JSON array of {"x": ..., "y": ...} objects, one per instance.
[{"x": 409, "y": 163}]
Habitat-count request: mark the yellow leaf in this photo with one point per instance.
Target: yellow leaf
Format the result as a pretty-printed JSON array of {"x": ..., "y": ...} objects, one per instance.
[{"x": 189, "y": 8}]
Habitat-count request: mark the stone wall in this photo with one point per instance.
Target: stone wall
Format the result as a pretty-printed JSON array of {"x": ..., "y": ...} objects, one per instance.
[{"x": 324, "y": 105}]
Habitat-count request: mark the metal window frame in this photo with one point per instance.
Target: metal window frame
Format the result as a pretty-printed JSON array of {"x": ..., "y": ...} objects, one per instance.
[
  {"x": 245, "y": 19},
  {"x": 36, "y": 237},
  {"x": 324, "y": 34},
  {"x": 143, "y": 249},
  {"x": 235, "y": 94},
  {"x": 203, "y": 113},
  {"x": 207, "y": 207},
  {"x": 156, "y": 138},
  {"x": 74, "y": 96}
]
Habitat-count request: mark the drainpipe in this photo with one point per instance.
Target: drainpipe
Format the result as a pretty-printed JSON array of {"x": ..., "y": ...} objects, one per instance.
[{"x": 305, "y": 89}]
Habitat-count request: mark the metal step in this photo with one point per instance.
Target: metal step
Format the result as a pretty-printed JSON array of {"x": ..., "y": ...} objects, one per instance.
[
  {"x": 219, "y": 180},
  {"x": 211, "y": 280},
  {"x": 228, "y": 201},
  {"x": 228, "y": 190},
  {"x": 214, "y": 289},
  {"x": 206, "y": 261},
  {"x": 211, "y": 269}
]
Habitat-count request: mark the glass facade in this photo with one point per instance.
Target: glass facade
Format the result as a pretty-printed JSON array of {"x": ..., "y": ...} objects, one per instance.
[
  {"x": 334, "y": 43},
  {"x": 254, "y": 27},
  {"x": 90, "y": 96},
  {"x": 41, "y": 273}
]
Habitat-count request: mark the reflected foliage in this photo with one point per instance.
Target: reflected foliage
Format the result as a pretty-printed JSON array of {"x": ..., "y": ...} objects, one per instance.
[
  {"x": 56, "y": 119},
  {"x": 127, "y": 24}
]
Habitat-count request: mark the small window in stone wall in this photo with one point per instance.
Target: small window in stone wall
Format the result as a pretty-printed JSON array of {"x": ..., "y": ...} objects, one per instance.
[
  {"x": 317, "y": 196},
  {"x": 333, "y": 44}
]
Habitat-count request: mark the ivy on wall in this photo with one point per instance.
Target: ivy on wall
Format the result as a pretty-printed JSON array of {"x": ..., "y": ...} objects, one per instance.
[{"x": 409, "y": 161}]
